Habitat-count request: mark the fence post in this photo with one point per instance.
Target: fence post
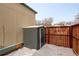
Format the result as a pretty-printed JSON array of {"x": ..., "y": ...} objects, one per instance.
[
  {"x": 48, "y": 36},
  {"x": 70, "y": 36}
]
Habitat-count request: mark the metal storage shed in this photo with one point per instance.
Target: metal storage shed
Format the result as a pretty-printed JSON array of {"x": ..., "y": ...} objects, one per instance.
[{"x": 34, "y": 37}]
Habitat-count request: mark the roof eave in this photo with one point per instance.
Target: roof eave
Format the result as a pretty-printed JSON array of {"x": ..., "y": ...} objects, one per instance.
[{"x": 28, "y": 7}]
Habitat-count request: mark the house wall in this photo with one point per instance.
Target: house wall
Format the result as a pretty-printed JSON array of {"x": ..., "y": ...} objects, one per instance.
[{"x": 13, "y": 17}]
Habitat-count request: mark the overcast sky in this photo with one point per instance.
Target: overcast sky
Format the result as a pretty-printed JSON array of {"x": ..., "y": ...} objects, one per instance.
[{"x": 59, "y": 11}]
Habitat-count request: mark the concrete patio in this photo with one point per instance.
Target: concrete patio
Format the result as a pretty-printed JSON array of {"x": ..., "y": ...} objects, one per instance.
[{"x": 46, "y": 50}]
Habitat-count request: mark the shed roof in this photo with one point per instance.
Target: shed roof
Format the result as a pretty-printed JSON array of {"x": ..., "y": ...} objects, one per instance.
[{"x": 28, "y": 7}]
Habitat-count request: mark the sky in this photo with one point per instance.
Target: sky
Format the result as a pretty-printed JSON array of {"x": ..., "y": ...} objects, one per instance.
[{"x": 58, "y": 11}]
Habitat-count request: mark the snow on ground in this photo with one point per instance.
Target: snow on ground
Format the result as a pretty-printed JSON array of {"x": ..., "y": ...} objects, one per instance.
[
  {"x": 53, "y": 50},
  {"x": 22, "y": 52},
  {"x": 46, "y": 50}
]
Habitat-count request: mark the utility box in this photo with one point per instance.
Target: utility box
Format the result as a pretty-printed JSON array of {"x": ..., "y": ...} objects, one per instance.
[{"x": 34, "y": 37}]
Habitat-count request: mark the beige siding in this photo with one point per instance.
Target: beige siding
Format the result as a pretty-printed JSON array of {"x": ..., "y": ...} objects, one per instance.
[
  {"x": 1, "y": 28},
  {"x": 15, "y": 17}
]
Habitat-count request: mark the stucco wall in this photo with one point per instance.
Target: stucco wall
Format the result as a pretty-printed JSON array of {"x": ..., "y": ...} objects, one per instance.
[{"x": 13, "y": 17}]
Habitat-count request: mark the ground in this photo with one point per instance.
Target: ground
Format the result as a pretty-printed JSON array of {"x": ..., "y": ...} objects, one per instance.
[{"x": 46, "y": 50}]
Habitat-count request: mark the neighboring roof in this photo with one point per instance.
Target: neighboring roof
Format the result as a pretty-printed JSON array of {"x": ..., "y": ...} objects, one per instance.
[{"x": 25, "y": 5}]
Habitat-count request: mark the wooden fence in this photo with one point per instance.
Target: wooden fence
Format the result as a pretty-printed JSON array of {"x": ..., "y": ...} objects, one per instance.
[
  {"x": 75, "y": 37},
  {"x": 59, "y": 35},
  {"x": 67, "y": 36}
]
